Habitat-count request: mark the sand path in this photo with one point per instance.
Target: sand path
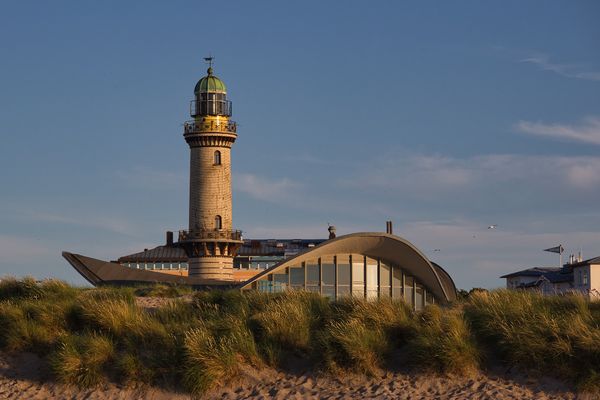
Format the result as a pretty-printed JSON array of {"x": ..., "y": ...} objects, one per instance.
[{"x": 25, "y": 377}]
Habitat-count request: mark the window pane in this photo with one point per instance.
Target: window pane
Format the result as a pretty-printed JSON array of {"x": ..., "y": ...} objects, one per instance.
[
  {"x": 329, "y": 291},
  {"x": 343, "y": 290},
  {"x": 429, "y": 298},
  {"x": 312, "y": 272},
  {"x": 297, "y": 276},
  {"x": 358, "y": 276},
  {"x": 358, "y": 270},
  {"x": 328, "y": 271},
  {"x": 419, "y": 302},
  {"x": 384, "y": 279},
  {"x": 408, "y": 289},
  {"x": 280, "y": 282},
  {"x": 397, "y": 282},
  {"x": 313, "y": 288},
  {"x": 343, "y": 270},
  {"x": 384, "y": 274},
  {"x": 371, "y": 278},
  {"x": 263, "y": 285}
]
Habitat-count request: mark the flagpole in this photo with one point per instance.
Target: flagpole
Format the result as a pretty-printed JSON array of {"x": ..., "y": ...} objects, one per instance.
[{"x": 560, "y": 258}]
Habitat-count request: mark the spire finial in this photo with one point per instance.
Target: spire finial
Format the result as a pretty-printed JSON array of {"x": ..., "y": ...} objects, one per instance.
[{"x": 209, "y": 60}]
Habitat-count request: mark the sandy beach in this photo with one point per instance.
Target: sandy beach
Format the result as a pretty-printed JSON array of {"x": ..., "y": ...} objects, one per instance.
[{"x": 25, "y": 377}]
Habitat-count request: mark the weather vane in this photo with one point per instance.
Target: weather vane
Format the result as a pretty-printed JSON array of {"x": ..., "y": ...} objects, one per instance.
[{"x": 209, "y": 60}]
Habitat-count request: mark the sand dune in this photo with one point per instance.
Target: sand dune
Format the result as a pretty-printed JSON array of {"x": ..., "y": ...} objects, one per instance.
[{"x": 25, "y": 377}]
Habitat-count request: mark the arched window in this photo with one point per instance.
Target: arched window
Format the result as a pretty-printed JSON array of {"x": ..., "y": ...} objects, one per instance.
[
  {"x": 217, "y": 157},
  {"x": 218, "y": 222}
]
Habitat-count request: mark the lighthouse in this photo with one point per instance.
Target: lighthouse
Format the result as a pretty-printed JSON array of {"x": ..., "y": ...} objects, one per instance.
[{"x": 210, "y": 241}]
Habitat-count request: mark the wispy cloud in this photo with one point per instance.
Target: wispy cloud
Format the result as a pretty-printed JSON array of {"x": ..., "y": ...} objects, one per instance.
[
  {"x": 430, "y": 177},
  {"x": 262, "y": 188},
  {"x": 587, "y": 132},
  {"x": 567, "y": 70},
  {"x": 107, "y": 223}
]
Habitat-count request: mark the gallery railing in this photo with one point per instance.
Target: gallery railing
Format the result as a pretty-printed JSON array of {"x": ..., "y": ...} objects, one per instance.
[
  {"x": 209, "y": 126},
  {"x": 185, "y": 235}
]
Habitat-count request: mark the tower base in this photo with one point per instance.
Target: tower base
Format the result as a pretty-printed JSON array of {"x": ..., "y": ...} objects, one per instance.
[{"x": 217, "y": 268}]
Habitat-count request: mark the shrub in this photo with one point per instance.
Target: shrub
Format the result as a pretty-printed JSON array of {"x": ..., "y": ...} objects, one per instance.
[
  {"x": 13, "y": 289},
  {"x": 442, "y": 342},
  {"x": 81, "y": 360},
  {"x": 215, "y": 303},
  {"x": 557, "y": 335},
  {"x": 209, "y": 359},
  {"x": 361, "y": 334},
  {"x": 286, "y": 323},
  {"x": 32, "y": 326}
]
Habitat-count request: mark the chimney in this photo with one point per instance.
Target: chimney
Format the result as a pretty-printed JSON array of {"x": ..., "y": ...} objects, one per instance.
[
  {"x": 169, "y": 238},
  {"x": 331, "y": 230},
  {"x": 388, "y": 227}
]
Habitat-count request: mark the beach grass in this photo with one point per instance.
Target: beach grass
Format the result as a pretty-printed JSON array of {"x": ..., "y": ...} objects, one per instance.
[{"x": 203, "y": 339}]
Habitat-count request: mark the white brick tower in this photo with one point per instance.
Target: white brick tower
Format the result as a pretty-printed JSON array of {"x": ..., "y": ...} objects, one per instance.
[{"x": 210, "y": 242}]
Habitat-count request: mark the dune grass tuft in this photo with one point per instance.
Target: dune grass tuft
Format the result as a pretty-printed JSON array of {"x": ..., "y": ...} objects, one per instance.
[
  {"x": 209, "y": 359},
  {"x": 556, "y": 335},
  {"x": 443, "y": 342},
  {"x": 361, "y": 334},
  {"x": 82, "y": 360}
]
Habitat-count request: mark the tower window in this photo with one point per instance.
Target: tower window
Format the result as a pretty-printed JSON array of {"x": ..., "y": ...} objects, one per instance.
[
  {"x": 218, "y": 222},
  {"x": 217, "y": 157}
]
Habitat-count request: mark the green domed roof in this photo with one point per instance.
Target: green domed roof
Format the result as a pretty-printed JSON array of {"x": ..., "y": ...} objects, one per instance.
[{"x": 210, "y": 83}]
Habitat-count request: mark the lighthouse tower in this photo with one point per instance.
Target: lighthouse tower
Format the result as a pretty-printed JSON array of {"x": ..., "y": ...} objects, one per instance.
[{"x": 210, "y": 242}]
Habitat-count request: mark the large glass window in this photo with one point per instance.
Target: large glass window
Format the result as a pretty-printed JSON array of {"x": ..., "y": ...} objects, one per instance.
[
  {"x": 343, "y": 275},
  {"x": 385, "y": 271},
  {"x": 280, "y": 281},
  {"x": 297, "y": 277},
  {"x": 409, "y": 282},
  {"x": 264, "y": 285},
  {"x": 397, "y": 282},
  {"x": 328, "y": 270},
  {"x": 419, "y": 298},
  {"x": 328, "y": 276},
  {"x": 372, "y": 280},
  {"x": 358, "y": 275},
  {"x": 312, "y": 276},
  {"x": 429, "y": 298}
]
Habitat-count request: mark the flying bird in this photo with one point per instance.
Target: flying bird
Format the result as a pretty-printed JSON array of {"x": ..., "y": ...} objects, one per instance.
[{"x": 492, "y": 226}]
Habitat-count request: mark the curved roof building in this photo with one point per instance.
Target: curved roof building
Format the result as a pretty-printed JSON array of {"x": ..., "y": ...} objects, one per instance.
[{"x": 366, "y": 264}]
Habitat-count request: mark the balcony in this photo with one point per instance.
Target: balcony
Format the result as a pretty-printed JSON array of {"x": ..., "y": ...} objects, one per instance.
[
  {"x": 208, "y": 235},
  {"x": 209, "y": 126}
]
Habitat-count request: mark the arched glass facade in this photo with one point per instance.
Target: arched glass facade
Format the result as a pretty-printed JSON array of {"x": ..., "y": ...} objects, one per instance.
[{"x": 339, "y": 275}]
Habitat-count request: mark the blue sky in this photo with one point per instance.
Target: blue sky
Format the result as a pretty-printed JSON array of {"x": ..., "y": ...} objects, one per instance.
[{"x": 444, "y": 117}]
